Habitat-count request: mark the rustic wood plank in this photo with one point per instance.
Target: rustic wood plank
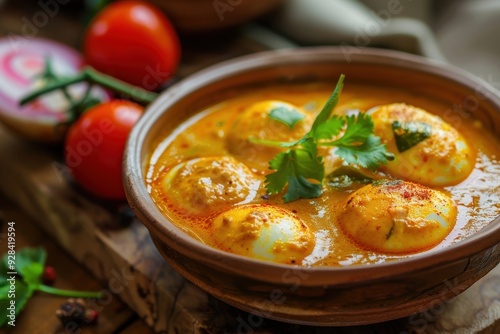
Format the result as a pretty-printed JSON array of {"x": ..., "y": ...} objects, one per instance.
[
  {"x": 39, "y": 314},
  {"x": 125, "y": 260},
  {"x": 137, "y": 327}
]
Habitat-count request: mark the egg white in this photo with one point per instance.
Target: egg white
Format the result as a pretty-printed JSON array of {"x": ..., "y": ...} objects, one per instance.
[
  {"x": 444, "y": 158},
  {"x": 263, "y": 232},
  {"x": 255, "y": 123},
  {"x": 208, "y": 184},
  {"x": 394, "y": 216}
]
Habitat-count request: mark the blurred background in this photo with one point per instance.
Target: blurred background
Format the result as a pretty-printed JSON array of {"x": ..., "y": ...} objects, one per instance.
[{"x": 461, "y": 32}]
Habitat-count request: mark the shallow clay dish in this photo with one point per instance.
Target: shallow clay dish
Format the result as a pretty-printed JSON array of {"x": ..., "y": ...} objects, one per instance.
[{"x": 320, "y": 295}]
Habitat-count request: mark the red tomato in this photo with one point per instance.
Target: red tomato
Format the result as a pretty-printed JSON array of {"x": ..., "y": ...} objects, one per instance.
[
  {"x": 133, "y": 41},
  {"x": 95, "y": 144}
]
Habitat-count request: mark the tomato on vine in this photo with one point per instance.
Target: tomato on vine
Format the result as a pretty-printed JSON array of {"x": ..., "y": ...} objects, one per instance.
[
  {"x": 133, "y": 41},
  {"x": 94, "y": 147}
]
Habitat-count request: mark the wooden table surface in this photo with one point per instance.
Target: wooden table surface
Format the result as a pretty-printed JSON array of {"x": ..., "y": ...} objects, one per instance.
[
  {"x": 117, "y": 316},
  {"x": 39, "y": 315}
]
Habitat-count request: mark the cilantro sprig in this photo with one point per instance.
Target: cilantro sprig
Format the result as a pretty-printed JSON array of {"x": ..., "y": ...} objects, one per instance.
[
  {"x": 302, "y": 169},
  {"x": 29, "y": 266},
  {"x": 285, "y": 115}
]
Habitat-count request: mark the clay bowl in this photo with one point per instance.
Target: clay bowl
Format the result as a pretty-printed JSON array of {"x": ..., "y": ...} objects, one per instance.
[{"x": 325, "y": 295}]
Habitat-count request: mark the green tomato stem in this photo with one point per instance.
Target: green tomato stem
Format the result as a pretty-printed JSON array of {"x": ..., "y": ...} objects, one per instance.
[
  {"x": 92, "y": 76},
  {"x": 68, "y": 293},
  {"x": 119, "y": 86}
]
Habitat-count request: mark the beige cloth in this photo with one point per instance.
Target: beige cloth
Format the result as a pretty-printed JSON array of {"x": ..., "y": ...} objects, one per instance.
[{"x": 461, "y": 32}]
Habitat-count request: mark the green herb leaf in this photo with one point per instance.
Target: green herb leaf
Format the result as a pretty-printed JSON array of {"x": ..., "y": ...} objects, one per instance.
[
  {"x": 358, "y": 129},
  {"x": 287, "y": 116},
  {"x": 369, "y": 154},
  {"x": 3, "y": 271},
  {"x": 330, "y": 128},
  {"x": 22, "y": 293},
  {"x": 30, "y": 263},
  {"x": 300, "y": 163},
  {"x": 345, "y": 176},
  {"x": 296, "y": 167},
  {"x": 344, "y": 181},
  {"x": 409, "y": 134},
  {"x": 330, "y": 104},
  {"x": 386, "y": 183},
  {"x": 299, "y": 187},
  {"x": 354, "y": 172}
]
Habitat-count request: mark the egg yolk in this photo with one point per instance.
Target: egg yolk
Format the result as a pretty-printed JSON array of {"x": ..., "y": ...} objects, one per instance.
[
  {"x": 263, "y": 232},
  {"x": 397, "y": 217},
  {"x": 256, "y": 122},
  {"x": 210, "y": 183},
  {"x": 443, "y": 158}
]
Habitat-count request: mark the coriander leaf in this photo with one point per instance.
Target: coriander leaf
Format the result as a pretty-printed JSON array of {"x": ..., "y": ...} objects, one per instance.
[
  {"x": 386, "y": 183},
  {"x": 308, "y": 163},
  {"x": 330, "y": 128},
  {"x": 295, "y": 167},
  {"x": 287, "y": 116},
  {"x": 3, "y": 271},
  {"x": 22, "y": 293},
  {"x": 358, "y": 129},
  {"x": 274, "y": 143},
  {"x": 325, "y": 113},
  {"x": 30, "y": 263},
  {"x": 275, "y": 182},
  {"x": 409, "y": 134},
  {"x": 339, "y": 182},
  {"x": 368, "y": 155},
  {"x": 354, "y": 172},
  {"x": 300, "y": 163},
  {"x": 4, "y": 289},
  {"x": 299, "y": 187},
  {"x": 345, "y": 181}
]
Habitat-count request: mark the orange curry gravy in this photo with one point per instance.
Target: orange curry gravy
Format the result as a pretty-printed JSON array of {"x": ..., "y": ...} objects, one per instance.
[{"x": 477, "y": 198}]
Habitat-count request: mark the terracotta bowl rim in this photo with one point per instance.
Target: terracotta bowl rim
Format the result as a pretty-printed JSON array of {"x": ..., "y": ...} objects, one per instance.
[{"x": 175, "y": 238}]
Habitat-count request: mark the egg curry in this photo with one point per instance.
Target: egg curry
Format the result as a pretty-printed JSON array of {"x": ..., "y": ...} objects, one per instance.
[{"x": 260, "y": 175}]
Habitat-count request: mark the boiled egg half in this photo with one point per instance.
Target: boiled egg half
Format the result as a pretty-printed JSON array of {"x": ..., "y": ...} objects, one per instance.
[
  {"x": 210, "y": 183},
  {"x": 427, "y": 149},
  {"x": 258, "y": 121},
  {"x": 395, "y": 216},
  {"x": 263, "y": 232}
]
